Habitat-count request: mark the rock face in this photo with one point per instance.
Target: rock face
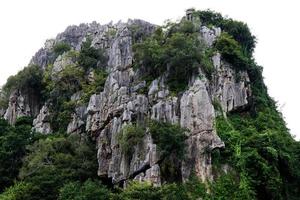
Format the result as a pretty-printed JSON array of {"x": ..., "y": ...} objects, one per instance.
[
  {"x": 209, "y": 35},
  {"x": 122, "y": 102},
  {"x": 77, "y": 125},
  {"x": 42, "y": 123},
  {"x": 44, "y": 56},
  {"x": 197, "y": 114},
  {"x": 230, "y": 88},
  {"x": 21, "y": 104}
]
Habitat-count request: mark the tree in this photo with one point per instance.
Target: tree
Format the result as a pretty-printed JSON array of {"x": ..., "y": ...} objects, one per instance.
[
  {"x": 177, "y": 52},
  {"x": 13, "y": 142},
  {"x": 19, "y": 191},
  {"x": 89, "y": 56},
  {"x": 61, "y": 47},
  {"x": 57, "y": 160},
  {"x": 231, "y": 51},
  {"x": 89, "y": 190}
]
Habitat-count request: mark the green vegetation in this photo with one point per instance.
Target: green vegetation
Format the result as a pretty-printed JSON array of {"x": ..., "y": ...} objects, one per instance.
[
  {"x": 129, "y": 137},
  {"x": 225, "y": 187},
  {"x": 238, "y": 30},
  {"x": 29, "y": 77},
  {"x": 58, "y": 92},
  {"x": 89, "y": 190},
  {"x": 59, "y": 89},
  {"x": 29, "y": 80},
  {"x": 89, "y": 57},
  {"x": 176, "y": 50},
  {"x": 231, "y": 51},
  {"x": 53, "y": 161},
  {"x": 95, "y": 86},
  {"x": 73, "y": 78},
  {"x": 169, "y": 138},
  {"x": 170, "y": 141},
  {"x": 262, "y": 151},
  {"x": 19, "y": 191},
  {"x": 13, "y": 142},
  {"x": 61, "y": 47}
]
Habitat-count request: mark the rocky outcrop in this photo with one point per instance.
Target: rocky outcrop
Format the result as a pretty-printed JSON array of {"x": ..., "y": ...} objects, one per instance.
[
  {"x": 197, "y": 114},
  {"x": 229, "y": 87},
  {"x": 42, "y": 123},
  {"x": 45, "y": 55},
  {"x": 209, "y": 35},
  {"x": 60, "y": 63},
  {"x": 127, "y": 99},
  {"x": 20, "y": 105},
  {"x": 120, "y": 104},
  {"x": 77, "y": 124}
]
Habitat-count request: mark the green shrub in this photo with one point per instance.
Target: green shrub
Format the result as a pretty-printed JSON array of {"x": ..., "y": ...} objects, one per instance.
[
  {"x": 231, "y": 52},
  {"x": 207, "y": 64},
  {"x": 257, "y": 146},
  {"x": 61, "y": 47},
  {"x": 89, "y": 190},
  {"x": 96, "y": 86},
  {"x": 129, "y": 137},
  {"x": 27, "y": 80},
  {"x": 58, "y": 93},
  {"x": 3, "y": 99},
  {"x": 89, "y": 56},
  {"x": 54, "y": 161},
  {"x": 169, "y": 138},
  {"x": 191, "y": 190},
  {"x": 19, "y": 191},
  {"x": 177, "y": 50},
  {"x": 238, "y": 30},
  {"x": 136, "y": 191},
  {"x": 13, "y": 142}
]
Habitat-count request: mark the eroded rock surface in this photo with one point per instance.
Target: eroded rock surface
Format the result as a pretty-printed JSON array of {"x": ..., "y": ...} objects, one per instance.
[
  {"x": 230, "y": 88},
  {"x": 126, "y": 99},
  {"x": 41, "y": 123},
  {"x": 20, "y": 105}
]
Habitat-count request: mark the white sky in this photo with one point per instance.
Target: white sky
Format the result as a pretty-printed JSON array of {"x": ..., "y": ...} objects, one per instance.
[{"x": 26, "y": 24}]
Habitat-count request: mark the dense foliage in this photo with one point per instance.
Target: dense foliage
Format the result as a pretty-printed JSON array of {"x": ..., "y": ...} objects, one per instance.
[
  {"x": 73, "y": 78},
  {"x": 20, "y": 191},
  {"x": 28, "y": 80},
  {"x": 169, "y": 138},
  {"x": 13, "y": 142},
  {"x": 238, "y": 30},
  {"x": 53, "y": 161},
  {"x": 89, "y": 190},
  {"x": 61, "y": 47},
  {"x": 129, "y": 137},
  {"x": 231, "y": 51},
  {"x": 176, "y": 51},
  {"x": 90, "y": 57},
  {"x": 262, "y": 151}
]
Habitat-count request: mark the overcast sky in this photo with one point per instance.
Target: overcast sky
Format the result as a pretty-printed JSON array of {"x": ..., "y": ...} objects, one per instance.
[{"x": 26, "y": 24}]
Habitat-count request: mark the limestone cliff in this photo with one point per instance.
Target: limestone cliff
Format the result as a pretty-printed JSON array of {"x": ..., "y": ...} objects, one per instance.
[{"x": 121, "y": 102}]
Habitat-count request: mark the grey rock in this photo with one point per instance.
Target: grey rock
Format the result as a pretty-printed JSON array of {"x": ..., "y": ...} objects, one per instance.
[
  {"x": 41, "y": 124},
  {"x": 197, "y": 115},
  {"x": 120, "y": 103},
  {"x": 44, "y": 56},
  {"x": 209, "y": 35},
  {"x": 61, "y": 62},
  {"x": 230, "y": 88},
  {"x": 17, "y": 107}
]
